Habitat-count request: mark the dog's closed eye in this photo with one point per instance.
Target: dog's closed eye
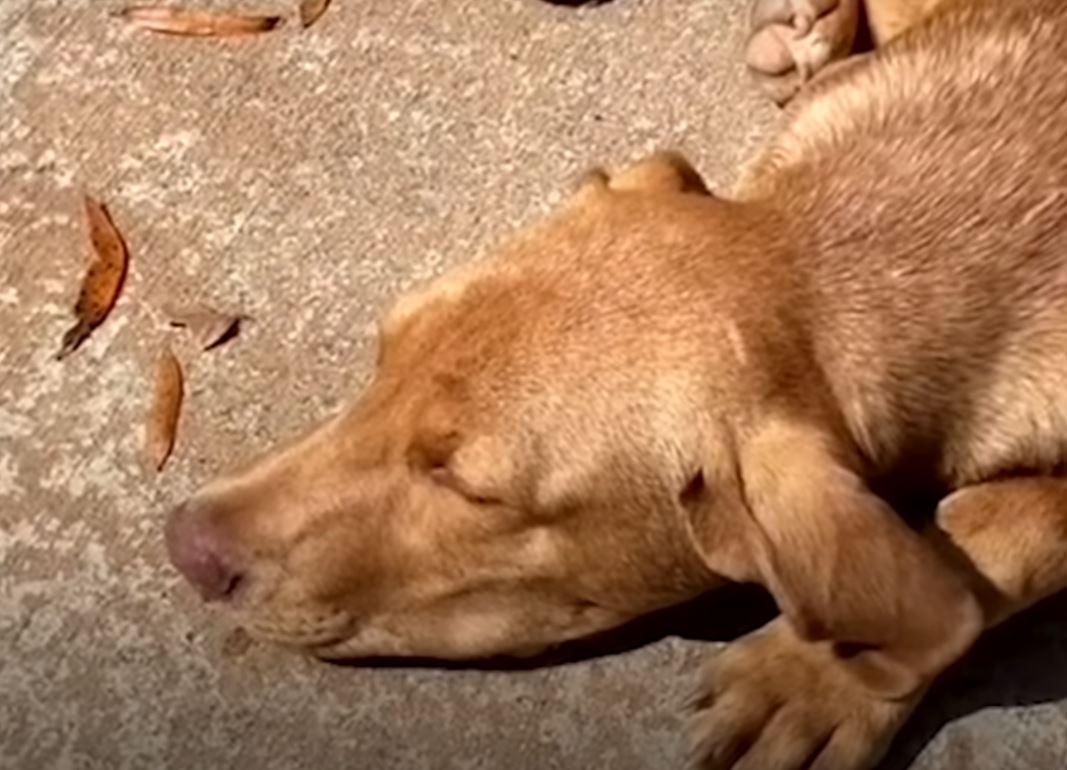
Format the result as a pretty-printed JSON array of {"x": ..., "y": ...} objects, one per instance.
[{"x": 443, "y": 475}]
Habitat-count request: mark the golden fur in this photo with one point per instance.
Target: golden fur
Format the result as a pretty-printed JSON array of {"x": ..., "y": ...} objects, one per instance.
[{"x": 658, "y": 391}]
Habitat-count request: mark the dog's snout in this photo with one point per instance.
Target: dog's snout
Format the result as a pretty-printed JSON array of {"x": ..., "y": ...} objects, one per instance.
[{"x": 197, "y": 549}]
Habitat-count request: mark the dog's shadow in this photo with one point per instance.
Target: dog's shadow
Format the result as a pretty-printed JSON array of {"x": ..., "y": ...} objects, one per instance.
[
  {"x": 718, "y": 617},
  {"x": 1022, "y": 662}
]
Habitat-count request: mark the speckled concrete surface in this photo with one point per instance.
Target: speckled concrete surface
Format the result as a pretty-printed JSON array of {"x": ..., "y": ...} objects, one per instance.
[{"x": 304, "y": 178}]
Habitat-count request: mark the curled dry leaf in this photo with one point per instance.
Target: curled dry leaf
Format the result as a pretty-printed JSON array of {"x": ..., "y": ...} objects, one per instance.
[
  {"x": 166, "y": 407},
  {"x": 103, "y": 279},
  {"x": 179, "y": 21},
  {"x": 210, "y": 327},
  {"x": 311, "y": 10}
]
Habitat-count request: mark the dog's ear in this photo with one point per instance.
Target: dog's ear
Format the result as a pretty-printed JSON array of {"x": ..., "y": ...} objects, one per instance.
[
  {"x": 841, "y": 564},
  {"x": 844, "y": 567},
  {"x": 665, "y": 171}
]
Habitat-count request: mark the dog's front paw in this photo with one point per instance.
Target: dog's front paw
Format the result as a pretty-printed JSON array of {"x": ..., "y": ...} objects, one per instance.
[
  {"x": 771, "y": 701},
  {"x": 792, "y": 40}
]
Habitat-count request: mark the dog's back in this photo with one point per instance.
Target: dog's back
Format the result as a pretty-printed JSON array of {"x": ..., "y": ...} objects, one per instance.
[{"x": 929, "y": 188}]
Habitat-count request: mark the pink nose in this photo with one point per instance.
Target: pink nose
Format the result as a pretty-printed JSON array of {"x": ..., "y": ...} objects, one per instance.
[{"x": 197, "y": 551}]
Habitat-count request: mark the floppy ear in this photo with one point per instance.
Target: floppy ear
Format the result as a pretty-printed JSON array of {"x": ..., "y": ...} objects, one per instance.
[
  {"x": 844, "y": 567},
  {"x": 664, "y": 171}
]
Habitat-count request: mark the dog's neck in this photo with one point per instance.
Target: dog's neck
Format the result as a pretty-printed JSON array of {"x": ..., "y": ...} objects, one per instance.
[{"x": 830, "y": 319}]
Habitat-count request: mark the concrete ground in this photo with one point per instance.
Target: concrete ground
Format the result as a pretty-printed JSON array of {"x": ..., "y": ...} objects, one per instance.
[{"x": 305, "y": 178}]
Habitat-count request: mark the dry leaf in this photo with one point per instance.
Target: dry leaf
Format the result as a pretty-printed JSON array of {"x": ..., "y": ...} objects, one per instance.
[
  {"x": 210, "y": 327},
  {"x": 166, "y": 406},
  {"x": 311, "y": 10},
  {"x": 103, "y": 279},
  {"x": 179, "y": 21}
]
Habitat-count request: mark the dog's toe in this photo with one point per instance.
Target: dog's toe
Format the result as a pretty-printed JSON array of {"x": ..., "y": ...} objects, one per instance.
[
  {"x": 768, "y": 52},
  {"x": 771, "y": 701},
  {"x": 792, "y": 40}
]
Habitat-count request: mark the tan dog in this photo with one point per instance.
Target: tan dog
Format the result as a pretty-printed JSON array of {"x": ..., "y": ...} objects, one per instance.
[{"x": 659, "y": 391}]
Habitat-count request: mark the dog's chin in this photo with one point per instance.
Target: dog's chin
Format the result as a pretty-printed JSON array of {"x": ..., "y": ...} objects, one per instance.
[
  {"x": 370, "y": 643},
  {"x": 300, "y": 631},
  {"x": 353, "y": 651},
  {"x": 337, "y": 636},
  {"x": 341, "y": 650}
]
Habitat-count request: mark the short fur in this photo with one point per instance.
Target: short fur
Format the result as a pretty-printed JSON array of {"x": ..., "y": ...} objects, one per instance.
[{"x": 659, "y": 391}]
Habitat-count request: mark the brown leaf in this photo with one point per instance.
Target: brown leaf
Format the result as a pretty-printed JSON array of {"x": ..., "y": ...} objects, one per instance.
[
  {"x": 180, "y": 21},
  {"x": 311, "y": 10},
  {"x": 103, "y": 279},
  {"x": 166, "y": 406},
  {"x": 210, "y": 327}
]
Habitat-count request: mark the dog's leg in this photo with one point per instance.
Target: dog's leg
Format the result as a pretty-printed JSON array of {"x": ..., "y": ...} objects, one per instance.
[
  {"x": 1010, "y": 538},
  {"x": 773, "y": 700},
  {"x": 792, "y": 40}
]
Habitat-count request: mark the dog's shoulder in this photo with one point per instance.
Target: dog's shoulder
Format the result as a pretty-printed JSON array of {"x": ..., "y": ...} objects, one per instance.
[{"x": 991, "y": 65}]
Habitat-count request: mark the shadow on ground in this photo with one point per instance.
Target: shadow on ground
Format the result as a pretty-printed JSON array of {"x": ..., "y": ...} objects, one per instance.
[
  {"x": 737, "y": 610},
  {"x": 1022, "y": 663}
]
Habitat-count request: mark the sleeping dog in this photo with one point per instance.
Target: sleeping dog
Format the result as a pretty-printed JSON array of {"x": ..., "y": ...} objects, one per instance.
[{"x": 659, "y": 391}]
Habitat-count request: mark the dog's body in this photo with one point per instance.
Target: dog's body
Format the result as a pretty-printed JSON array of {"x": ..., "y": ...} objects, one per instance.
[
  {"x": 658, "y": 391},
  {"x": 926, "y": 210}
]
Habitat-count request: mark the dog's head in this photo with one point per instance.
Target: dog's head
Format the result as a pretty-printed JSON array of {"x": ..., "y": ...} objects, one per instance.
[{"x": 523, "y": 466}]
